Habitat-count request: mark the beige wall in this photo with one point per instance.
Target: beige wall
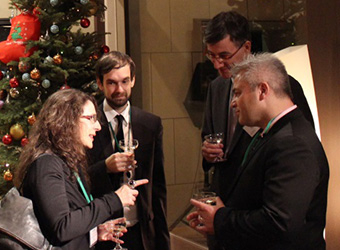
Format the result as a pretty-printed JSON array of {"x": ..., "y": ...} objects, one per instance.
[
  {"x": 5, "y": 12},
  {"x": 324, "y": 42}
]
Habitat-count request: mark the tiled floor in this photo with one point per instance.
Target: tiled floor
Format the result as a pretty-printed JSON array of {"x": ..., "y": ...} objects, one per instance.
[{"x": 184, "y": 237}]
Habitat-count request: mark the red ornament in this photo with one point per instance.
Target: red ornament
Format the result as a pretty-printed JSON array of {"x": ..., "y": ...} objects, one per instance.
[
  {"x": 7, "y": 139},
  {"x": 105, "y": 49},
  {"x": 1, "y": 75},
  {"x": 85, "y": 22},
  {"x": 24, "y": 141},
  {"x": 65, "y": 86},
  {"x": 36, "y": 11},
  {"x": 14, "y": 82}
]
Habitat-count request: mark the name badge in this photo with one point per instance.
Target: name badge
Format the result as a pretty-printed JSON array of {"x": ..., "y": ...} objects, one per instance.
[{"x": 93, "y": 236}]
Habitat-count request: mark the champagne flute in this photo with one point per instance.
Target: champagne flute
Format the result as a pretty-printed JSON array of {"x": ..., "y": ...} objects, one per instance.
[{"x": 129, "y": 146}]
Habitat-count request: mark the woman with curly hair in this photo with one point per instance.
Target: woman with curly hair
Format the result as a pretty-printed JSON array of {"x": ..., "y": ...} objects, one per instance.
[{"x": 52, "y": 173}]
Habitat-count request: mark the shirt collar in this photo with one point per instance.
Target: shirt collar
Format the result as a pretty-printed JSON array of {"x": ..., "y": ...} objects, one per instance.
[{"x": 278, "y": 117}]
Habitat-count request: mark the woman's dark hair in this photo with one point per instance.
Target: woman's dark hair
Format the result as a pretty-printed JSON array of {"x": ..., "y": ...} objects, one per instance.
[
  {"x": 227, "y": 23},
  {"x": 114, "y": 60},
  {"x": 56, "y": 131}
]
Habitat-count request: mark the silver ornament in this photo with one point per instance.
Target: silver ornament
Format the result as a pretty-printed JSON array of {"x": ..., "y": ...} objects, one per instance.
[
  {"x": 46, "y": 83},
  {"x": 25, "y": 76},
  {"x": 94, "y": 86},
  {"x": 84, "y": 1},
  {"x": 54, "y": 2},
  {"x": 54, "y": 29},
  {"x": 78, "y": 50},
  {"x": 48, "y": 59}
]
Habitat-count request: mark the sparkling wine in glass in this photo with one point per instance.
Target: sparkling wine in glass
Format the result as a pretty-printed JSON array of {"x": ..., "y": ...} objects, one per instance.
[
  {"x": 206, "y": 197},
  {"x": 202, "y": 194},
  {"x": 129, "y": 146},
  {"x": 216, "y": 138}
]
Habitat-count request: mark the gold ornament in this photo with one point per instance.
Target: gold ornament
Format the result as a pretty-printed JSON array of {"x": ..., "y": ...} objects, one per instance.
[
  {"x": 23, "y": 66},
  {"x": 31, "y": 119},
  {"x": 8, "y": 176},
  {"x": 35, "y": 74},
  {"x": 14, "y": 93},
  {"x": 58, "y": 59},
  {"x": 94, "y": 8},
  {"x": 16, "y": 131}
]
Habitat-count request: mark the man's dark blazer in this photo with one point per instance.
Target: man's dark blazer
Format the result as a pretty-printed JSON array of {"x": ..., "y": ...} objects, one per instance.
[
  {"x": 216, "y": 120},
  {"x": 279, "y": 195},
  {"x": 151, "y": 201}
]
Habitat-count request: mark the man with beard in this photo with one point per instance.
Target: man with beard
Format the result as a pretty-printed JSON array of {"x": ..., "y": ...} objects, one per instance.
[{"x": 146, "y": 221}]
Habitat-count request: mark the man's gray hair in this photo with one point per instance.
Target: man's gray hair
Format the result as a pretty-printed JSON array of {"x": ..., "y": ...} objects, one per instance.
[{"x": 263, "y": 67}]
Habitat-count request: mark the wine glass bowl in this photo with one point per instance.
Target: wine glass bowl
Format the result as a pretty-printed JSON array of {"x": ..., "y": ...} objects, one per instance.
[
  {"x": 116, "y": 229},
  {"x": 206, "y": 197},
  {"x": 216, "y": 138},
  {"x": 129, "y": 146}
]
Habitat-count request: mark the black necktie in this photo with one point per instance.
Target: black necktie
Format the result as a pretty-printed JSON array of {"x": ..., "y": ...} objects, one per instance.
[{"x": 119, "y": 133}]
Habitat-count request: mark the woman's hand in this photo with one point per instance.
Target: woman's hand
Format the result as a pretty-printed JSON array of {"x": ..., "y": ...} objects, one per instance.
[
  {"x": 105, "y": 230},
  {"x": 127, "y": 195}
]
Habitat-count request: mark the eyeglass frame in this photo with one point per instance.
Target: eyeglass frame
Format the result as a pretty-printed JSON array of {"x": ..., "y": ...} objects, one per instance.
[
  {"x": 91, "y": 118},
  {"x": 220, "y": 57}
]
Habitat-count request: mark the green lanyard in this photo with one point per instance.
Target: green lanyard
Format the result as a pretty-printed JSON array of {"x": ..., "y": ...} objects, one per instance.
[
  {"x": 114, "y": 134},
  {"x": 88, "y": 198},
  {"x": 255, "y": 139}
]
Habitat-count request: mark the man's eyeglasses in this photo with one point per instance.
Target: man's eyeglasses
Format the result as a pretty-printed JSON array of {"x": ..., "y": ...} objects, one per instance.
[
  {"x": 92, "y": 118},
  {"x": 224, "y": 56}
]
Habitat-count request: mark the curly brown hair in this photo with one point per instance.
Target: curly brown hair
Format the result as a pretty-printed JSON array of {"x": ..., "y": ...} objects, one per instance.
[{"x": 56, "y": 131}]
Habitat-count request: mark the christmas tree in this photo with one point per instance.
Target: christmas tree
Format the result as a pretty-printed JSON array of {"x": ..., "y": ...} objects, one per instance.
[{"x": 42, "y": 54}]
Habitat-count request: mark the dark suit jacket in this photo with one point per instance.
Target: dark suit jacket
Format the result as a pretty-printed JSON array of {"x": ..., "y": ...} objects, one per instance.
[
  {"x": 64, "y": 216},
  {"x": 278, "y": 198},
  {"x": 151, "y": 201},
  {"x": 216, "y": 120}
]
